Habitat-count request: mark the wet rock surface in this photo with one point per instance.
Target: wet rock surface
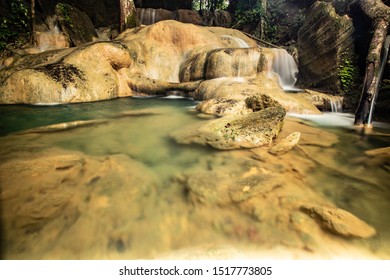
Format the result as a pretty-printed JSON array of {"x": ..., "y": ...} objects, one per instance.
[
  {"x": 232, "y": 132},
  {"x": 218, "y": 63},
  {"x": 340, "y": 222},
  {"x": 60, "y": 203}
]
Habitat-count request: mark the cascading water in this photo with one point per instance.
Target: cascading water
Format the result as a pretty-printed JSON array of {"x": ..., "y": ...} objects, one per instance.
[
  {"x": 148, "y": 16},
  {"x": 286, "y": 68},
  {"x": 335, "y": 105}
]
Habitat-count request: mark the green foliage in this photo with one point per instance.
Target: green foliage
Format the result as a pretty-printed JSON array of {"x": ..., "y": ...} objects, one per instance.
[
  {"x": 210, "y": 5},
  {"x": 65, "y": 11},
  {"x": 347, "y": 72},
  {"x": 250, "y": 16},
  {"x": 15, "y": 28}
]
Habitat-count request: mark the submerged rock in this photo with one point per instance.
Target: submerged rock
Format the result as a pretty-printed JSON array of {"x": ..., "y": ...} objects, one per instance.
[
  {"x": 339, "y": 221},
  {"x": 286, "y": 144}
]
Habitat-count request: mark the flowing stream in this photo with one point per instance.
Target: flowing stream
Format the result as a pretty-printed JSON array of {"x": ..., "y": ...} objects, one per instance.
[{"x": 121, "y": 187}]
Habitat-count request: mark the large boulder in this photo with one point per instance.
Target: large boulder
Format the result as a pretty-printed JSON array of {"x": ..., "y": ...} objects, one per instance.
[
  {"x": 83, "y": 75},
  {"x": 255, "y": 129},
  {"x": 188, "y": 16},
  {"x": 325, "y": 45},
  {"x": 75, "y": 24}
]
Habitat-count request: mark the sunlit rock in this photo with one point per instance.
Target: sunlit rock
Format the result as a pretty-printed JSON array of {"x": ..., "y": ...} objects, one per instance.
[
  {"x": 219, "y": 63},
  {"x": 286, "y": 144},
  {"x": 223, "y": 107},
  {"x": 233, "y": 132},
  {"x": 339, "y": 221},
  {"x": 83, "y": 75}
]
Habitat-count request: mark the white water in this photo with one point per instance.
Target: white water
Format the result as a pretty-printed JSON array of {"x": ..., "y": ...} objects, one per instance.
[
  {"x": 241, "y": 43},
  {"x": 336, "y": 106},
  {"x": 328, "y": 119},
  {"x": 148, "y": 16},
  {"x": 52, "y": 39},
  {"x": 286, "y": 68}
]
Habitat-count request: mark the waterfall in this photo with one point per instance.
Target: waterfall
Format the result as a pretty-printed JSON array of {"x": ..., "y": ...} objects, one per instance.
[
  {"x": 335, "y": 105},
  {"x": 142, "y": 16},
  {"x": 147, "y": 16},
  {"x": 153, "y": 16},
  {"x": 286, "y": 68},
  {"x": 241, "y": 43}
]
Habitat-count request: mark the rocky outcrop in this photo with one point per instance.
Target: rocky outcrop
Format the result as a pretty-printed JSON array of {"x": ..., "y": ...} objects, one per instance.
[
  {"x": 75, "y": 24},
  {"x": 254, "y": 129},
  {"x": 325, "y": 44},
  {"x": 83, "y": 75},
  {"x": 188, "y": 16},
  {"x": 204, "y": 62}
]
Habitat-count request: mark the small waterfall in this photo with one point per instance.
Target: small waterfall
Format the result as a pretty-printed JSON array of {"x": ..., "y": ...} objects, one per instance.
[
  {"x": 153, "y": 17},
  {"x": 142, "y": 15},
  {"x": 52, "y": 39},
  {"x": 147, "y": 16},
  {"x": 286, "y": 68},
  {"x": 241, "y": 43},
  {"x": 336, "y": 105}
]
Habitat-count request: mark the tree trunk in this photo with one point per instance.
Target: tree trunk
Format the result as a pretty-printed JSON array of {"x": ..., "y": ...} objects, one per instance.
[
  {"x": 263, "y": 21},
  {"x": 379, "y": 15},
  {"x": 128, "y": 16},
  {"x": 33, "y": 22}
]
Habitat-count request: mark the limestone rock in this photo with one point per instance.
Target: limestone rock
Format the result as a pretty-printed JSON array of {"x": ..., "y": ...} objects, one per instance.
[
  {"x": 339, "y": 221},
  {"x": 223, "y": 107},
  {"x": 187, "y": 16},
  {"x": 322, "y": 41},
  {"x": 75, "y": 24},
  {"x": 286, "y": 144},
  {"x": 260, "y": 101},
  {"x": 233, "y": 132},
  {"x": 81, "y": 76},
  {"x": 242, "y": 62},
  {"x": 240, "y": 88}
]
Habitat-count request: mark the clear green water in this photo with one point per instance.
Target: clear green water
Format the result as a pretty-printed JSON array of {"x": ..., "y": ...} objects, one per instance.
[{"x": 132, "y": 196}]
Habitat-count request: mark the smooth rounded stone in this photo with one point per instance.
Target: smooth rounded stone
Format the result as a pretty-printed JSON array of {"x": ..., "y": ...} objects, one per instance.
[
  {"x": 234, "y": 62},
  {"x": 234, "y": 132},
  {"x": 241, "y": 88},
  {"x": 339, "y": 221},
  {"x": 286, "y": 144},
  {"x": 223, "y": 107},
  {"x": 83, "y": 75}
]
